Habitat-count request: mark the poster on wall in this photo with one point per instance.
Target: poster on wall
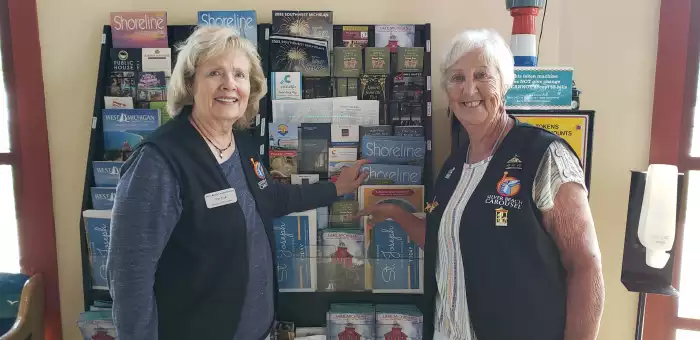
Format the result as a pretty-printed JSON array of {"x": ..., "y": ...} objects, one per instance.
[{"x": 574, "y": 128}]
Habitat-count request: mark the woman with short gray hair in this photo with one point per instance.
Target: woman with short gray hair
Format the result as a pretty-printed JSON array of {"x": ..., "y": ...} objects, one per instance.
[
  {"x": 510, "y": 245},
  {"x": 191, "y": 244}
]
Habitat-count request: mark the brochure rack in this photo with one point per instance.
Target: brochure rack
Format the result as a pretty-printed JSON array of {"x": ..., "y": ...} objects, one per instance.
[
  {"x": 422, "y": 39},
  {"x": 302, "y": 308},
  {"x": 308, "y": 309}
]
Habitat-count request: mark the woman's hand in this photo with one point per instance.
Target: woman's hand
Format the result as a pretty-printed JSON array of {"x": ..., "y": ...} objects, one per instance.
[
  {"x": 415, "y": 227},
  {"x": 382, "y": 211},
  {"x": 350, "y": 178}
]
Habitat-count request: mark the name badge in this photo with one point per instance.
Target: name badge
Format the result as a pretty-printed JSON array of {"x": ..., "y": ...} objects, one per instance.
[{"x": 219, "y": 198}]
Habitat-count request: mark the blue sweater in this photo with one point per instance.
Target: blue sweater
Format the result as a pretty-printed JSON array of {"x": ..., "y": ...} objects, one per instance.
[{"x": 147, "y": 209}]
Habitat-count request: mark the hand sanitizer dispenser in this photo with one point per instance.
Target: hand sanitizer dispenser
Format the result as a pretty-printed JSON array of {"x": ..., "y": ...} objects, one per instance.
[
  {"x": 657, "y": 220},
  {"x": 650, "y": 231}
]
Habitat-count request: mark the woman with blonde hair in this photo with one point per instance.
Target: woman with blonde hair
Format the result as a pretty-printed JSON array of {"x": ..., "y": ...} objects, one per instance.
[
  {"x": 510, "y": 245},
  {"x": 191, "y": 244}
]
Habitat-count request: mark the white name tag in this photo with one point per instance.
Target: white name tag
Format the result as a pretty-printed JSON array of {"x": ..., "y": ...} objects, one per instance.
[{"x": 219, "y": 198}]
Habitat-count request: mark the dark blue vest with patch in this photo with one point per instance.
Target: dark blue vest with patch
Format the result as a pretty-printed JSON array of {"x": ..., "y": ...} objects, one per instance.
[
  {"x": 516, "y": 285},
  {"x": 202, "y": 275}
]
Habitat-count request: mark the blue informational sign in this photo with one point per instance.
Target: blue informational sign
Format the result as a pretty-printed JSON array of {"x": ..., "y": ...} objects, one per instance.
[{"x": 541, "y": 88}]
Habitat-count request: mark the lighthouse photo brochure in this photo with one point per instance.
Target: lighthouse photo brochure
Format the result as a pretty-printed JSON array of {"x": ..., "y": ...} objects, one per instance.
[
  {"x": 124, "y": 129},
  {"x": 342, "y": 265},
  {"x": 363, "y": 321}
]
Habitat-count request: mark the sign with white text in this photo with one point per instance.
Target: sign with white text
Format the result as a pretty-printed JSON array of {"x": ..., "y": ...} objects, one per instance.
[{"x": 541, "y": 88}]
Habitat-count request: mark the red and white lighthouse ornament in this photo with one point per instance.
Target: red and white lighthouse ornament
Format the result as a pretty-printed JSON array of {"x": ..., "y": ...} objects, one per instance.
[{"x": 523, "y": 41}]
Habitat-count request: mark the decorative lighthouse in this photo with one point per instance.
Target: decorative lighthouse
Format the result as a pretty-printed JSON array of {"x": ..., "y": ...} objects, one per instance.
[{"x": 523, "y": 41}]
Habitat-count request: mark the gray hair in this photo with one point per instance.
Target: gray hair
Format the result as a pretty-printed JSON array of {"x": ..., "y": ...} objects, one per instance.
[
  {"x": 496, "y": 52},
  {"x": 207, "y": 42}
]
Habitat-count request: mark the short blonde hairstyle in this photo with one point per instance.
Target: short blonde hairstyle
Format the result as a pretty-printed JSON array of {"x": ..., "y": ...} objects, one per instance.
[
  {"x": 208, "y": 42},
  {"x": 496, "y": 52}
]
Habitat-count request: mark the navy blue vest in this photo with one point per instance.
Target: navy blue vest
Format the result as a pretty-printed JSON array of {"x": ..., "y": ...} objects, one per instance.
[
  {"x": 516, "y": 287},
  {"x": 201, "y": 278}
]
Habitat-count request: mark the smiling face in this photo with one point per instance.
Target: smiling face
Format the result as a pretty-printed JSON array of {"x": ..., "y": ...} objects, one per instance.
[
  {"x": 221, "y": 87},
  {"x": 473, "y": 89}
]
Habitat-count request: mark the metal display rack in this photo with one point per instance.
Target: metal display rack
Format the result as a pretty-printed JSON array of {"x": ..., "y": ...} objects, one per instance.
[
  {"x": 308, "y": 309},
  {"x": 304, "y": 309}
]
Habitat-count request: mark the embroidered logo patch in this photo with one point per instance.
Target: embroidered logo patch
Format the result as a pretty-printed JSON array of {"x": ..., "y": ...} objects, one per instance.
[
  {"x": 501, "y": 217},
  {"x": 430, "y": 206},
  {"x": 508, "y": 186},
  {"x": 260, "y": 172},
  {"x": 501, "y": 201},
  {"x": 514, "y": 163}
]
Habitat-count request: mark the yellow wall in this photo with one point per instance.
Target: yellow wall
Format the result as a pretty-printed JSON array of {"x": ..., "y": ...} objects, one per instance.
[{"x": 611, "y": 45}]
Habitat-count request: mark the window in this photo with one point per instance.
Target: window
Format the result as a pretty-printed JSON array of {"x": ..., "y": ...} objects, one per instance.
[
  {"x": 695, "y": 140},
  {"x": 9, "y": 243},
  {"x": 683, "y": 334},
  {"x": 675, "y": 139},
  {"x": 689, "y": 269},
  {"x": 26, "y": 210},
  {"x": 695, "y": 132}
]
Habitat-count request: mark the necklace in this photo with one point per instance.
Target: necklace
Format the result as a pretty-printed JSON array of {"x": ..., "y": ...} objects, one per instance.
[
  {"x": 493, "y": 148},
  {"x": 221, "y": 151}
]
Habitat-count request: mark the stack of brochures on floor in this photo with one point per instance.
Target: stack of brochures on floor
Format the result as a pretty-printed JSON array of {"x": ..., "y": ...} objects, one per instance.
[
  {"x": 367, "y": 321},
  {"x": 97, "y": 324}
]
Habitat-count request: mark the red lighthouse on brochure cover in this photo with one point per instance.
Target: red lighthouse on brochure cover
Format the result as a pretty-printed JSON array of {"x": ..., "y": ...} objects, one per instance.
[
  {"x": 349, "y": 333},
  {"x": 102, "y": 335},
  {"x": 139, "y": 29},
  {"x": 396, "y": 333}
]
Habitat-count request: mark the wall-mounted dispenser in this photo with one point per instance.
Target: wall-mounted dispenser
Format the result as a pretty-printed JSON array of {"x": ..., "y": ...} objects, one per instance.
[
  {"x": 652, "y": 219},
  {"x": 657, "y": 219}
]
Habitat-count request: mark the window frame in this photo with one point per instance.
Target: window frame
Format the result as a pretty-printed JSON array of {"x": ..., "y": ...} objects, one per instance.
[
  {"x": 690, "y": 90},
  {"x": 29, "y": 152},
  {"x": 675, "y": 95}
]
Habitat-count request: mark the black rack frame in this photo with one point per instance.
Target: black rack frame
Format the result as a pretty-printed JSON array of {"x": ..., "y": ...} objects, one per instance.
[
  {"x": 315, "y": 304},
  {"x": 421, "y": 39}
]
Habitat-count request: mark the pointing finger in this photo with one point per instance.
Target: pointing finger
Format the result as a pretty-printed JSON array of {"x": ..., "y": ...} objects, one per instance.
[
  {"x": 359, "y": 163},
  {"x": 364, "y": 212},
  {"x": 360, "y": 214},
  {"x": 361, "y": 178}
]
